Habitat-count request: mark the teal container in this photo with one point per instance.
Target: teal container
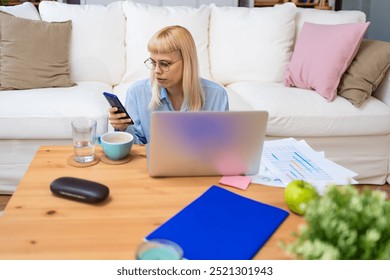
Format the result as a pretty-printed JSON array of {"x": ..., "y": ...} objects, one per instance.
[{"x": 116, "y": 145}]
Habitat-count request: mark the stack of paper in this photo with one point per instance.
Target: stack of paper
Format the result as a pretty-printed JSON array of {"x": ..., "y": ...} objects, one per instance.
[{"x": 286, "y": 160}]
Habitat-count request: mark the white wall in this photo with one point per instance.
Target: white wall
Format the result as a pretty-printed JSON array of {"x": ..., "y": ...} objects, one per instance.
[
  {"x": 377, "y": 12},
  {"x": 192, "y": 3}
]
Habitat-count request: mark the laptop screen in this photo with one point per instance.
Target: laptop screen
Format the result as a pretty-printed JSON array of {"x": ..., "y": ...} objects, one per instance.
[{"x": 206, "y": 143}]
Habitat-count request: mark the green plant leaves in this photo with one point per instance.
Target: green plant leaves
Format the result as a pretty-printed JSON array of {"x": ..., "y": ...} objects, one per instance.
[{"x": 345, "y": 224}]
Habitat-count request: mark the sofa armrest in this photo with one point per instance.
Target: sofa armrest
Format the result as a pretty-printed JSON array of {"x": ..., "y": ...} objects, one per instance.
[{"x": 383, "y": 91}]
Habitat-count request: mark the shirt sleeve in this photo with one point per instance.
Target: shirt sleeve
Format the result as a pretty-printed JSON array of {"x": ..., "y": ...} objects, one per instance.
[
  {"x": 132, "y": 108},
  {"x": 224, "y": 101},
  {"x": 216, "y": 97}
]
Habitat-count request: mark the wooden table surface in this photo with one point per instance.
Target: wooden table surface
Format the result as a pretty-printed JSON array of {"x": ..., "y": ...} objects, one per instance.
[{"x": 38, "y": 225}]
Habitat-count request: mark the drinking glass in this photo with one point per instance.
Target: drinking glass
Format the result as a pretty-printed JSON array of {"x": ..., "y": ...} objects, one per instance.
[{"x": 84, "y": 137}]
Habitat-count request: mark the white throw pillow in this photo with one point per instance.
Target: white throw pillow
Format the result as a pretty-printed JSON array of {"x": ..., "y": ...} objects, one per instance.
[
  {"x": 251, "y": 44},
  {"x": 142, "y": 21},
  {"x": 327, "y": 17},
  {"x": 26, "y": 10},
  {"x": 97, "y": 51}
]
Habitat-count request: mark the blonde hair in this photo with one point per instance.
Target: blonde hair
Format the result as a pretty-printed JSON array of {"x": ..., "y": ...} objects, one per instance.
[{"x": 178, "y": 38}]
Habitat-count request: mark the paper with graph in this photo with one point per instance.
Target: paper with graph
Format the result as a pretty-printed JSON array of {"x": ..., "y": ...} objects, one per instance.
[{"x": 289, "y": 159}]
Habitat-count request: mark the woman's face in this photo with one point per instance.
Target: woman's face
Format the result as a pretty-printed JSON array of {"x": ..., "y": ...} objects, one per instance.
[{"x": 169, "y": 69}]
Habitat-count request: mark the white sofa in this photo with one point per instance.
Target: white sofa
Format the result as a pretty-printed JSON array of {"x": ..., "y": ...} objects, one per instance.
[{"x": 244, "y": 49}]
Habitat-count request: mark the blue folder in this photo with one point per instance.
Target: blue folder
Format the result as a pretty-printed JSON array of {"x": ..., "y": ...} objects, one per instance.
[{"x": 221, "y": 225}]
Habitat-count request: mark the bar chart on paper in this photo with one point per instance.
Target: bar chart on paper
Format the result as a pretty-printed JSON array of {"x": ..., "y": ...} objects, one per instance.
[
  {"x": 294, "y": 164},
  {"x": 289, "y": 159},
  {"x": 285, "y": 160}
]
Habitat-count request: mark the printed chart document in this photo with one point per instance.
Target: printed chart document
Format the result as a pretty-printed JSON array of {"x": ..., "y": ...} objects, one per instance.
[
  {"x": 221, "y": 225},
  {"x": 286, "y": 160}
]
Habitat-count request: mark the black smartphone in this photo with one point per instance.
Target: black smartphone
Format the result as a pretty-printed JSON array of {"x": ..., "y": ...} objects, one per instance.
[{"x": 115, "y": 102}]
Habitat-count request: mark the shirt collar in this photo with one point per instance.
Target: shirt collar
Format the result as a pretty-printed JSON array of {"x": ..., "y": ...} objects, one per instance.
[{"x": 164, "y": 95}]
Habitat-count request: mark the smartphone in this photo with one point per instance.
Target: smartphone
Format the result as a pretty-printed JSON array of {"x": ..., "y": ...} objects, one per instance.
[{"x": 115, "y": 102}]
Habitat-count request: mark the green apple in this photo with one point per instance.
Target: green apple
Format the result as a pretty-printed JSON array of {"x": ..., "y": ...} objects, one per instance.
[{"x": 298, "y": 194}]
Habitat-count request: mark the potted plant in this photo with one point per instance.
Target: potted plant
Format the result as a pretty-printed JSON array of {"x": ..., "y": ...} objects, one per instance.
[{"x": 345, "y": 224}]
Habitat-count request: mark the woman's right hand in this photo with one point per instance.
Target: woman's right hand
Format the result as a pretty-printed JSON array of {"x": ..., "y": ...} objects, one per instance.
[{"x": 116, "y": 119}]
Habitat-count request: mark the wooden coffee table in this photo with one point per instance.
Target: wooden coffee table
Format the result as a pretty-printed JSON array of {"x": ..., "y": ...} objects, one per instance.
[{"x": 38, "y": 225}]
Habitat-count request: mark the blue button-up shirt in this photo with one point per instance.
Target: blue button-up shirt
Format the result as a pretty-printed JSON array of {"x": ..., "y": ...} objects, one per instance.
[{"x": 139, "y": 95}]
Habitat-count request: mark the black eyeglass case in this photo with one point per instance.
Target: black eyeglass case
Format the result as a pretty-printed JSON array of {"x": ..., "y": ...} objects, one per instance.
[{"x": 79, "y": 189}]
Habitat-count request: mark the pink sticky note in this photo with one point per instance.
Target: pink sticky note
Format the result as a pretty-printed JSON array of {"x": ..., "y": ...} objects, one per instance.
[{"x": 240, "y": 182}]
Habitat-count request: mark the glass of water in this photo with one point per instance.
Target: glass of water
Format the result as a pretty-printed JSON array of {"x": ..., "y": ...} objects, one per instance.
[{"x": 84, "y": 137}]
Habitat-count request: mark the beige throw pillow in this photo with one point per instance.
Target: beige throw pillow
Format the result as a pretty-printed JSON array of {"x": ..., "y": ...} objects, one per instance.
[
  {"x": 366, "y": 71},
  {"x": 33, "y": 53}
]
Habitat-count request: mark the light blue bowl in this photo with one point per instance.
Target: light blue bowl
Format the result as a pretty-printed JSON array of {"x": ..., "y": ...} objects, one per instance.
[{"x": 116, "y": 145}]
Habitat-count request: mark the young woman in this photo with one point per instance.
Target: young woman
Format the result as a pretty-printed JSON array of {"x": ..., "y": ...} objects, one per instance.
[{"x": 174, "y": 85}]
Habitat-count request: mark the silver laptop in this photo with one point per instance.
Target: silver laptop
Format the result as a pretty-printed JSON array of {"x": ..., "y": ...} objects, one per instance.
[{"x": 206, "y": 143}]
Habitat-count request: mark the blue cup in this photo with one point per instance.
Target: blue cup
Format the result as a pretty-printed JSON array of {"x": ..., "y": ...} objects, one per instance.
[
  {"x": 159, "y": 249},
  {"x": 116, "y": 145}
]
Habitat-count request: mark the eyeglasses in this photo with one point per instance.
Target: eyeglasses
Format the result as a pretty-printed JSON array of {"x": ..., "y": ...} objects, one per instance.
[{"x": 163, "y": 65}]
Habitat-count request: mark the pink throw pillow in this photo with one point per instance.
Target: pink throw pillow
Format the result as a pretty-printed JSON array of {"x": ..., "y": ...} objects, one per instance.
[{"x": 322, "y": 54}]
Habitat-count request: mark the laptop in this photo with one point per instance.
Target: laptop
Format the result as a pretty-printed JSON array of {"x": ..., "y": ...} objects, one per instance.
[{"x": 206, "y": 143}]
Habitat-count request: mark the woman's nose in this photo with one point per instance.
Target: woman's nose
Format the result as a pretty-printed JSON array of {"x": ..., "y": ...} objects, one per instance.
[{"x": 158, "y": 68}]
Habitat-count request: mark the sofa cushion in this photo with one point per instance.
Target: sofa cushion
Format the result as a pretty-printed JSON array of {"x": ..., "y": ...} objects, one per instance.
[
  {"x": 326, "y": 17},
  {"x": 251, "y": 44},
  {"x": 366, "y": 71},
  {"x": 321, "y": 55},
  {"x": 383, "y": 90},
  {"x": 121, "y": 91},
  {"x": 142, "y": 21},
  {"x": 47, "y": 113},
  {"x": 97, "y": 42},
  {"x": 38, "y": 57},
  {"x": 295, "y": 112},
  {"x": 25, "y": 10}
]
